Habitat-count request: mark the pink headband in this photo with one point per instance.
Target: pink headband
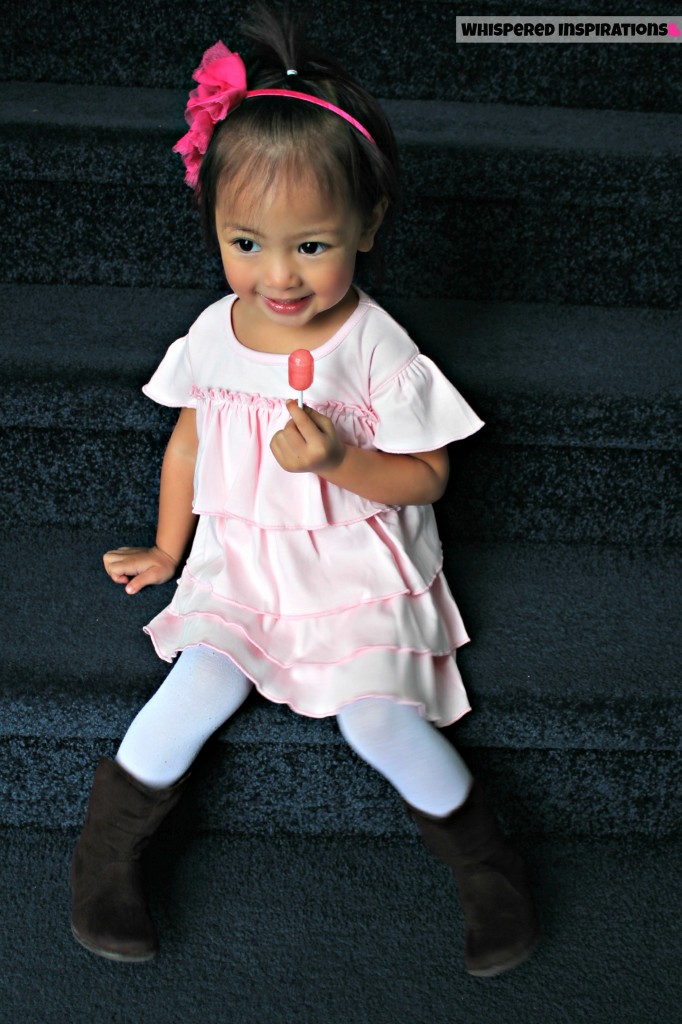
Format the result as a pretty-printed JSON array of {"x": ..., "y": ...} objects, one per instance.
[{"x": 221, "y": 78}]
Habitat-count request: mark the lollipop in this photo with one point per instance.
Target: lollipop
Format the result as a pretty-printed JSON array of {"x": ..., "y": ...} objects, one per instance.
[{"x": 301, "y": 369}]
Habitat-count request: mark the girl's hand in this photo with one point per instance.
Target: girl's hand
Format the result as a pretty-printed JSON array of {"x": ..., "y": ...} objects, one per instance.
[
  {"x": 309, "y": 442},
  {"x": 139, "y": 567}
]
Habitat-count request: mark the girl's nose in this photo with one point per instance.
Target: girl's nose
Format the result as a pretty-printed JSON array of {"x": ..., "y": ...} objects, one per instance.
[{"x": 280, "y": 272}]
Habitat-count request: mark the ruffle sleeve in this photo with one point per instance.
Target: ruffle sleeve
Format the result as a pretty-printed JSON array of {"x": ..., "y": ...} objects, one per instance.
[
  {"x": 418, "y": 409},
  {"x": 171, "y": 384}
]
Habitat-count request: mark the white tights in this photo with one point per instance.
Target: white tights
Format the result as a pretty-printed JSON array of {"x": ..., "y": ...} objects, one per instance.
[{"x": 203, "y": 690}]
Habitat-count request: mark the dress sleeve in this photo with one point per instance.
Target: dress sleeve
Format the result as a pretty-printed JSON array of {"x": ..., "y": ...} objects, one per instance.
[
  {"x": 419, "y": 410},
  {"x": 172, "y": 382}
]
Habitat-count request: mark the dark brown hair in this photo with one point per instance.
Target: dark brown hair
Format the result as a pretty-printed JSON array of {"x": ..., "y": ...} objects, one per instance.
[{"x": 265, "y": 136}]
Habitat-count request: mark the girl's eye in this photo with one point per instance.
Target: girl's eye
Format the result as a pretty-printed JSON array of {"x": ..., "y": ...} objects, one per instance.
[
  {"x": 312, "y": 248},
  {"x": 246, "y": 245}
]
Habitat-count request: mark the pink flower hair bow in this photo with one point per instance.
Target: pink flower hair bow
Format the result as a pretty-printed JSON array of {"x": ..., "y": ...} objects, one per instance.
[{"x": 221, "y": 79}]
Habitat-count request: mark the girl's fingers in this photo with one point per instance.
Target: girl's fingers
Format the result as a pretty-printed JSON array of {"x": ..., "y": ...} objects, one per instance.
[
  {"x": 308, "y": 442},
  {"x": 121, "y": 570},
  {"x": 143, "y": 569},
  {"x": 123, "y": 564},
  {"x": 321, "y": 421},
  {"x": 307, "y": 420},
  {"x": 143, "y": 579}
]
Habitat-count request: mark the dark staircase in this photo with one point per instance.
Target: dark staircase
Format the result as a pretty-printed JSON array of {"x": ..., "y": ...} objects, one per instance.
[{"x": 538, "y": 261}]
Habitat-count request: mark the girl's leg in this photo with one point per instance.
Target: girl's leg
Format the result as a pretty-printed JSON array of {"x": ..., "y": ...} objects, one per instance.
[
  {"x": 132, "y": 795},
  {"x": 109, "y": 913},
  {"x": 456, "y": 824},
  {"x": 200, "y": 693},
  {"x": 409, "y": 751}
]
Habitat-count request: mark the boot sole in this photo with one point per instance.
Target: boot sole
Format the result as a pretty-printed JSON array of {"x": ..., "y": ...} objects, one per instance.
[
  {"x": 129, "y": 958},
  {"x": 508, "y": 965}
]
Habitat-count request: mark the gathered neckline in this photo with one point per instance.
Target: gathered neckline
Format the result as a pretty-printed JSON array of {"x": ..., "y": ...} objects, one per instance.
[{"x": 281, "y": 358}]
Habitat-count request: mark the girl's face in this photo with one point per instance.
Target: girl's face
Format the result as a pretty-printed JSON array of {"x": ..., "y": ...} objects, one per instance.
[{"x": 289, "y": 256}]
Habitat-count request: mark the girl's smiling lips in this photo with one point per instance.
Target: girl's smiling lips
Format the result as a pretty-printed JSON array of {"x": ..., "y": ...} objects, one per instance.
[{"x": 286, "y": 306}]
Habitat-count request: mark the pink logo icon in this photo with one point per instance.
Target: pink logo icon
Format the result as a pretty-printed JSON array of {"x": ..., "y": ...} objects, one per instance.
[{"x": 673, "y": 30}]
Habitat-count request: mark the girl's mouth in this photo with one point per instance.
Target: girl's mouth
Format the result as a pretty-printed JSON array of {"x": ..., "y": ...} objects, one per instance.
[{"x": 287, "y": 307}]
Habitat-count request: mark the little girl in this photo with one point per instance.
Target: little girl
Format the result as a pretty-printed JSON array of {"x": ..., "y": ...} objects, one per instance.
[{"x": 315, "y": 570}]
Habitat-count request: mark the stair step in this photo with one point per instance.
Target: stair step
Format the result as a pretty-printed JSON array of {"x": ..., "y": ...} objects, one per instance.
[
  {"x": 522, "y": 204},
  {"x": 381, "y": 915},
  {"x": 313, "y": 791},
  {"x": 537, "y": 374},
  {"x": 517, "y": 493},
  {"x": 560, "y": 629},
  {"x": 58, "y": 46},
  {"x": 575, "y": 719},
  {"x": 581, "y": 405}
]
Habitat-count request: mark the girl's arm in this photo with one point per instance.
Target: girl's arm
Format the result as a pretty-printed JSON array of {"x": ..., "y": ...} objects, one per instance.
[
  {"x": 139, "y": 567},
  {"x": 309, "y": 443}
]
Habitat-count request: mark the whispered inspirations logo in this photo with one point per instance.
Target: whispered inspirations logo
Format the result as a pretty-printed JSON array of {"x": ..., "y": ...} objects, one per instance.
[{"x": 570, "y": 29}]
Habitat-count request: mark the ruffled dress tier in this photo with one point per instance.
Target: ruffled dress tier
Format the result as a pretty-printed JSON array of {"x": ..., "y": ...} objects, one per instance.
[{"x": 321, "y": 597}]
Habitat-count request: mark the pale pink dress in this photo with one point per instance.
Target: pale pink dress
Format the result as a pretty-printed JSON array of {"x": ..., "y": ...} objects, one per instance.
[{"x": 319, "y": 596}]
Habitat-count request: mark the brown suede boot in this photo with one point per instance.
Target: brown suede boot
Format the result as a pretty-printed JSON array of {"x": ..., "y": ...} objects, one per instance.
[
  {"x": 502, "y": 929},
  {"x": 109, "y": 910}
]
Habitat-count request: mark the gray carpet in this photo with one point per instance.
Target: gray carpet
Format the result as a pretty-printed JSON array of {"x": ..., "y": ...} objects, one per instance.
[{"x": 290, "y": 886}]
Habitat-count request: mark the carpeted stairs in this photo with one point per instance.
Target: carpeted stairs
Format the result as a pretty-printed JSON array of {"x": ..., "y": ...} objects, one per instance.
[{"x": 538, "y": 261}]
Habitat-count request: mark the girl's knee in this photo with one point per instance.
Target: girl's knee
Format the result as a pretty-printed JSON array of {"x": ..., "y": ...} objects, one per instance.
[{"x": 373, "y": 720}]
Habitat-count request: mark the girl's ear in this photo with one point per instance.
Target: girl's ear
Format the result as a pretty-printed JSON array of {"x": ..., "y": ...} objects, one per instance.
[{"x": 367, "y": 237}]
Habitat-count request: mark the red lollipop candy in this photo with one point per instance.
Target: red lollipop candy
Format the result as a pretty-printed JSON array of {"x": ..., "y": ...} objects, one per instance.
[{"x": 301, "y": 370}]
